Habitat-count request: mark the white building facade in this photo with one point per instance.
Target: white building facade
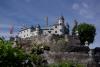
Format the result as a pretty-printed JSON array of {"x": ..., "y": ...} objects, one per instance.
[
  {"x": 25, "y": 33},
  {"x": 57, "y": 29}
]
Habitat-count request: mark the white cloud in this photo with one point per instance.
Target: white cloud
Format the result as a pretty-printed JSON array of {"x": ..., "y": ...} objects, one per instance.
[
  {"x": 85, "y": 5},
  {"x": 86, "y": 13},
  {"x": 8, "y": 26},
  {"x": 75, "y": 6},
  {"x": 6, "y": 35},
  {"x": 83, "y": 10}
]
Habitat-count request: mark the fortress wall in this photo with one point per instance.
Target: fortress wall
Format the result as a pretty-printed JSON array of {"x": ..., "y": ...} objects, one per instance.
[{"x": 55, "y": 57}]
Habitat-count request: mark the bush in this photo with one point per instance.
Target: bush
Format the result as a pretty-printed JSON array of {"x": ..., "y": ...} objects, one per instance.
[
  {"x": 10, "y": 57},
  {"x": 16, "y": 57},
  {"x": 66, "y": 65}
]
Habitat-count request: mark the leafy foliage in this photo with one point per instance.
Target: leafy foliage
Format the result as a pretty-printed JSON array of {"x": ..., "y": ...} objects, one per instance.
[
  {"x": 36, "y": 57},
  {"x": 10, "y": 57},
  {"x": 66, "y": 65},
  {"x": 14, "y": 57},
  {"x": 87, "y": 32}
]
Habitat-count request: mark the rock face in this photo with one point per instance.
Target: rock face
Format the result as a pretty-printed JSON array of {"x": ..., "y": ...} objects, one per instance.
[
  {"x": 55, "y": 57},
  {"x": 62, "y": 48},
  {"x": 74, "y": 57}
]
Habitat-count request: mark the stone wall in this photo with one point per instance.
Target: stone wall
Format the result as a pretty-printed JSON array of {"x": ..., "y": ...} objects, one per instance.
[
  {"x": 74, "y": 57},
  {"x": 63, "y": 56}
]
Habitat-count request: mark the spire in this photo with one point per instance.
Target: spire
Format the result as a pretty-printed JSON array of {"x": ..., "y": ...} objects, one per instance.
[{"x": 74, "y": 27}]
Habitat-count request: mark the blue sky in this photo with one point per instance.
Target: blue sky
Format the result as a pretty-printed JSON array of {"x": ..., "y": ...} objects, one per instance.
[{"x": 32, "y": 12}]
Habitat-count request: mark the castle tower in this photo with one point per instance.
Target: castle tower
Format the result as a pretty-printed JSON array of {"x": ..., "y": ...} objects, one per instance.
[
  {"x": 38, "y": 30},
  {"x": 61, "y": 25},
  {"x": 61, "y": 20}
]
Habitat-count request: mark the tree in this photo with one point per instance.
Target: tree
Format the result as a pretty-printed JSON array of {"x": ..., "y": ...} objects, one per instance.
[
  {"x": 17, "y": 57},
  {"x": 86, "y": 32},
  {"x": 10, "y": 57},
  {"x": 36, "y": 56}
]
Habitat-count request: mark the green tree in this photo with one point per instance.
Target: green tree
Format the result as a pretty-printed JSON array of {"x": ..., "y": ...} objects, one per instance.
[
  {"x": 17, "y": 57},
  {"x": 86, "y": 32},
  {"x": 36, "y": 56},
  {"x": 12, "y": 57}
]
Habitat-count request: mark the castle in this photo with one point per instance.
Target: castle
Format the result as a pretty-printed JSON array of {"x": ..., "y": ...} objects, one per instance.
[
  {"x": 60, "y": 28},
  {"x": 75, "y": 51}
]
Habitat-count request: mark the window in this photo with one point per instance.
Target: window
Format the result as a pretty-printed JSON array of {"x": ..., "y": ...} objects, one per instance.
[
  {"x": 55, "y": 26},
  {"x": 49, "y": 31},
  {"x": 24, "y": 35},
  {"x": 55, "y": 31},
  {"x": 61, "y": 30},
  {"x": 60, "y": 23},
  {"x": 27, "y": 34}
]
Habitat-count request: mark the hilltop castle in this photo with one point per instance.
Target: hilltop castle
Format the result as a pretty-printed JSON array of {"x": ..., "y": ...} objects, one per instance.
[
  {"x": 60, "y": 28},
  {"x": 71, "y": 49},
  {"x": 47, "y": 34}
]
